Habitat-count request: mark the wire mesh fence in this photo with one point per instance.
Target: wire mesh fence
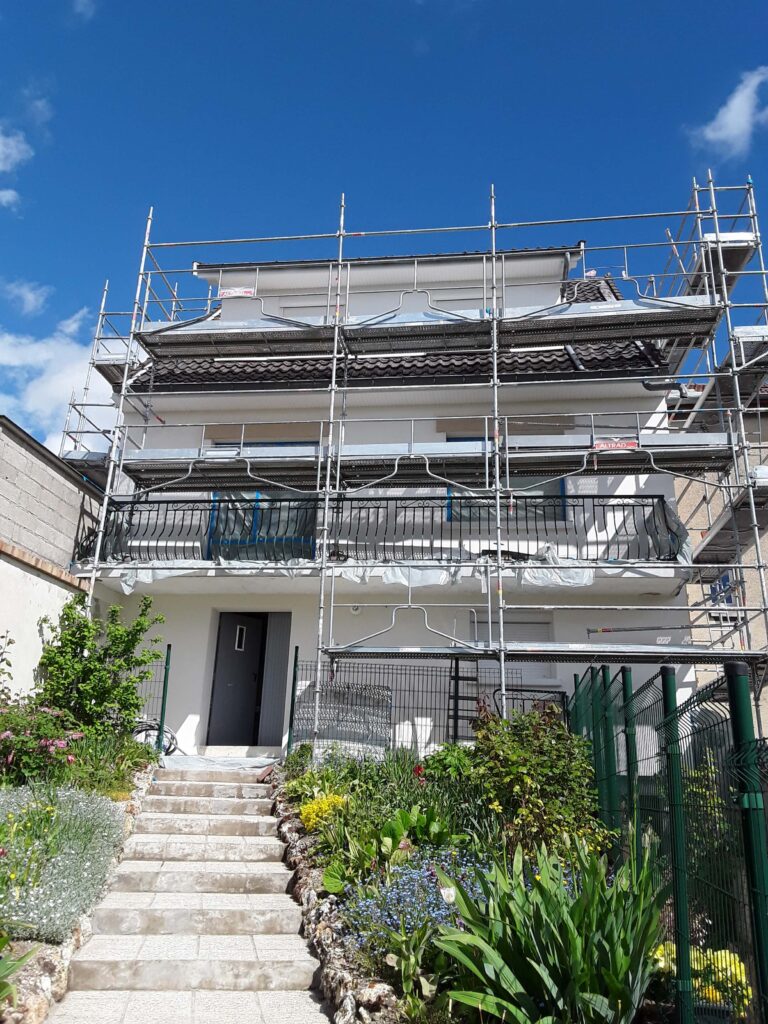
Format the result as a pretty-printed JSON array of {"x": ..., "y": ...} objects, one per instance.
[
  {"x": 692, "y": 778},
  {"x": 151, "y": 689},
  {"x": 366, "y": 708}
]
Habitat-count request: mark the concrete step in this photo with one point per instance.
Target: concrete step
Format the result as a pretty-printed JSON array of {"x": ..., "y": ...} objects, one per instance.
[
  {"x": 199, "y": 1007},
  {"x": 201, "y": 876},
  {"x": 238, "y": 790},
  {"x": 161, "y": 846},
  {"x": 206, "y": 805},
  {"x": 239, "y": 752},
  {"x": 249, "y": 775},
  {"x": 179, "y": 913},
  {"x": 184, "y": 962},
  {"x": 206, "y": 824}
]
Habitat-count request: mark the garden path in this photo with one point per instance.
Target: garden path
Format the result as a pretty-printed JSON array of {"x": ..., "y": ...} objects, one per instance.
[{"x": 198, "y": 925}]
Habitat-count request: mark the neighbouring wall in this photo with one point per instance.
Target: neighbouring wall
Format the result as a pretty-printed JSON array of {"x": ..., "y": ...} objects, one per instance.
[
  {"x": 27, "y": 595},
  {"x": 44, "y": 507}
]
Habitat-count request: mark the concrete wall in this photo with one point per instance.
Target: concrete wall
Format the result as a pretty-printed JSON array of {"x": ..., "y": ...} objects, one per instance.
[{"x": 43, "y": 507}]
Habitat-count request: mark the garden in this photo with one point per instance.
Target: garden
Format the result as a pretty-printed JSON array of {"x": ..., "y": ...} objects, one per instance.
[
  {"x": 68, "y": 761},
  {"x": 481, "y": 884}
]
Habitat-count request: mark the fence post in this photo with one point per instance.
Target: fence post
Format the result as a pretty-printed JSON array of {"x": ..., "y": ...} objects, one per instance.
[
  {"x": 159, "y": 746},
  {"x": 456, "y": 700},
  {"x": 609, "y": 750},
  {"x": 597, "y": 733},
  {"x": 670, "y": 737},
  {"x": 753, "y": 822},
  {"x": 574, "y": 723},
  {"x": 294, "y": 682},
  {"x": 630, "y": 741}
]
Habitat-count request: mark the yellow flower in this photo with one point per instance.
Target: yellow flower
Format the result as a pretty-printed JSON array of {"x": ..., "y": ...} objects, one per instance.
[
  {"x": 495, "y": 806},
  {"x": 698, "y": 960},
  {"x": 710, "y": 994},
  {"x": 315, "y": 813}
]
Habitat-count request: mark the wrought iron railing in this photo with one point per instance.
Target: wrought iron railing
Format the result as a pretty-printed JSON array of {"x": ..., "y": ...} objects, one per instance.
[{"x": 447, "y": 529}]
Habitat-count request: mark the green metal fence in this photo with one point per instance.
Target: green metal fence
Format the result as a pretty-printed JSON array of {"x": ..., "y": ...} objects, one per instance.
[
  {"x": 695, "y": 777},
  {"x": 154, "y": 692}
]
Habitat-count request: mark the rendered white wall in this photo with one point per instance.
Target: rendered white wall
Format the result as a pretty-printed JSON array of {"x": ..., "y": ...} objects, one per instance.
[{"x": 25, "y": 597}]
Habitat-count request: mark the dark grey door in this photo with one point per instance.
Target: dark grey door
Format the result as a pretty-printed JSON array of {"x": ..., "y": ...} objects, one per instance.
[{"x": 237, "y": 680}]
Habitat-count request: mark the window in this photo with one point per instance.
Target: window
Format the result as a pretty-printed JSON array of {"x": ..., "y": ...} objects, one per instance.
[
  {"x": 240, "y": 638},
  {"x": 721, "y": 590}
]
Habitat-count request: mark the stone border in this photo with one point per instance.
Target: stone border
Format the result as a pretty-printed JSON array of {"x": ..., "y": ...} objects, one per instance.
[
  {"x": 43, "y": 981},
  {"x": 355, "y": 1000}
]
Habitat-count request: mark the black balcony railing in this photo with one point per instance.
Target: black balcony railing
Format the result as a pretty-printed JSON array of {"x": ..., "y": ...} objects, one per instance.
[{"x": 452, "y": 529}]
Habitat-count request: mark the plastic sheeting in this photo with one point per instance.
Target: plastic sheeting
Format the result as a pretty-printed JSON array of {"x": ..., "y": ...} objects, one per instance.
[{"x": 553, "y": 571}]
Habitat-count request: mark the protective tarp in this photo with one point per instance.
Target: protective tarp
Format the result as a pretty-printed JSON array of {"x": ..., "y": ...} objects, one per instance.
[
  {"x": 259, "y": 527},
  {"x": 668, "y": 535},
  {"x": 553, "y": 571}
]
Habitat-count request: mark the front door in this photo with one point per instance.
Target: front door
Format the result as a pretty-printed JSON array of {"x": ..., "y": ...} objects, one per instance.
[{"x": 237, "y": 680}]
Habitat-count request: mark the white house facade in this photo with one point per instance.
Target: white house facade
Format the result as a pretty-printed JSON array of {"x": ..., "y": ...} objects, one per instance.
[{"x": 370, "y": 492}]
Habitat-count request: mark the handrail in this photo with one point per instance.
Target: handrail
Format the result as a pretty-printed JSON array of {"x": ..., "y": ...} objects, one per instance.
[{"x": 451, "y": 529}]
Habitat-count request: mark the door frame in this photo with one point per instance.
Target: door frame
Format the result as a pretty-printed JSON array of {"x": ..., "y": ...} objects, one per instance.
[{"x": 264, "y": 617}]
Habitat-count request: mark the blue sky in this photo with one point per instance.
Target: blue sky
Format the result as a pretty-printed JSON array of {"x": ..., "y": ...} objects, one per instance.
[{"x": 251, "y": 116}]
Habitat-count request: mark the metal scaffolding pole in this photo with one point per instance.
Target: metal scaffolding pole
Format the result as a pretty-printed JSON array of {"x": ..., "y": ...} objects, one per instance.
[
  {"x": 112, "y": 455},
  {"x": 497, "y": 454},
  {"x": 324, "y": 526},
  {"x": 739, "y": 413}
]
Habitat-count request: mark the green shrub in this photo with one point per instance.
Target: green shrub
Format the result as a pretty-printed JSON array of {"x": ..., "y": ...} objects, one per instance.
[
  {"x": 106, "y": 763},
  {"x": 298, "y": 761},
  {"x": 73, "y": 859},
  {"x": 94, "y": 669},
  {"x": 452, "y": 761},
  {"x": 539, "y": 777},
  {"x": 36, "y": 743},
  {"x": 357, "y": 853},
  {"x": 564, "y": 942}
]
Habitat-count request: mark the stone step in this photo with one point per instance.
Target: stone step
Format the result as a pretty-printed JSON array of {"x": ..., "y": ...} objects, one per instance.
[
  {"x": 201, "y": 876},
  {"x": 161, "y": 846},
  {"x": 206, "y": 824},
  {"x": 206, "y": 805},
  {"x": 249, "y": 775},
  {"x": 198, "y": 1007},
  {"x": 184, "y": 962},
  {"x": 179, "y": 913},
  {"x": 238, "y": 790}
]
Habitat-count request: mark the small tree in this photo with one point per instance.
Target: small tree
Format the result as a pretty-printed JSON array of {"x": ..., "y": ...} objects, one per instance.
[{"x": 94, "y": 668}]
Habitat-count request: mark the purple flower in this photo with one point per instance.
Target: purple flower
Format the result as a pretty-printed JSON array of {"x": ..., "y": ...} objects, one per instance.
[{"x": 7, "y": 735}]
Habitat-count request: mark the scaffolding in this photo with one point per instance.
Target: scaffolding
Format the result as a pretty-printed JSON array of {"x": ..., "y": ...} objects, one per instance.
[{"x": 651, "y": 310}]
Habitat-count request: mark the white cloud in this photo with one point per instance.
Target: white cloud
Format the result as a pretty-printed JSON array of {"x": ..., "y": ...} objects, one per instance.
[
  {"x": 85, "y": 8},
  {"x": 40, "y": 373},
  {"x": 9, "y": 199},
  {"x": 28, "y": 296},
  {"x": 38, "y": 108},
  {"x": 14, "y": 149},
  {"x": 731, "y": 129}
]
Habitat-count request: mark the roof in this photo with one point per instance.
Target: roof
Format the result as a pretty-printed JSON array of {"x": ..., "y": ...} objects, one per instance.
[{"x": 620, "y": 359}]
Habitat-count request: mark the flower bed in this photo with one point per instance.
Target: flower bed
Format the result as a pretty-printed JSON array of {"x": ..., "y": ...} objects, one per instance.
[
  {"x": 429, "y": 887},
  {"x": 67, "y": 889}
]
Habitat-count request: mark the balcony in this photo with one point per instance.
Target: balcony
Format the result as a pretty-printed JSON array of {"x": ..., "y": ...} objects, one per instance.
[{"x": 452, "y": 529}]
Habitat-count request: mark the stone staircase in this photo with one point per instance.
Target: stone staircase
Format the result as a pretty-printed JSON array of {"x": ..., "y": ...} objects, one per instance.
[{"x": 198, "y": 925}]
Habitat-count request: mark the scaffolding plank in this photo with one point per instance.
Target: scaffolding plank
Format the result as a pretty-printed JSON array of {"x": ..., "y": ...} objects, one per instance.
[{"x": 553, "y": 651}]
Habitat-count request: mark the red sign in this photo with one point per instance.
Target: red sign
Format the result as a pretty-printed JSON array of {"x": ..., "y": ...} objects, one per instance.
[{"x": 615, "y": 444}]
